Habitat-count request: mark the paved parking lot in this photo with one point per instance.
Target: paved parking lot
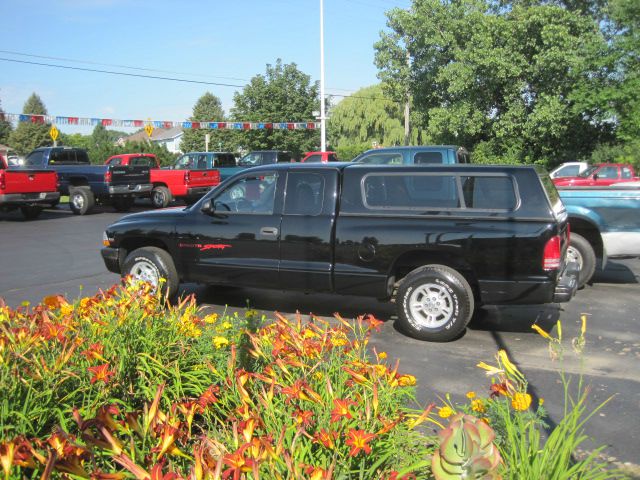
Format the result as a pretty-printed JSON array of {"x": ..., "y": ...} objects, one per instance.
[{"x": 60, "y": 251}]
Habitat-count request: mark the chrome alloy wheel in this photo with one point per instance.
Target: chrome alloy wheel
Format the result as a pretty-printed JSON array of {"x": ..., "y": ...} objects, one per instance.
[
  {"x": 431, "y": 306},
  {"x": 78, "y": 201},
  {"x": 574, "y": 255},
  {"x": 146, "y": 272}
]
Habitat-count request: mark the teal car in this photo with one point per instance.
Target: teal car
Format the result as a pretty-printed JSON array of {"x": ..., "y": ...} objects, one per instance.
[{"x": 415, "y": 155}]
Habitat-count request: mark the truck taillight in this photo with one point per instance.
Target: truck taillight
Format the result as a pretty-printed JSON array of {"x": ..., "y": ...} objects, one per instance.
[
  {"x": 3, "y": 183},
  {"x": 187, "y": 177},
  {"x": 552, "y": 254},
  {"x": 107, "y": 176}
]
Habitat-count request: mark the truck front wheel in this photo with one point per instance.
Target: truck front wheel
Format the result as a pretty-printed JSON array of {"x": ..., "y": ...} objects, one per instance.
[
  {"x": 150, "y": 264},
  {"x": 581, "y": 252},
  {"x": 434, "y": 303},
  {"x": 81, "y": 200},
  {"x": 160, "y": 197}
]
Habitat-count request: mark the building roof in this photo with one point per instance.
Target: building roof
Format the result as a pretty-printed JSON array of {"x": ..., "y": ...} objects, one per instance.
[{"x": 157, "y": 135}]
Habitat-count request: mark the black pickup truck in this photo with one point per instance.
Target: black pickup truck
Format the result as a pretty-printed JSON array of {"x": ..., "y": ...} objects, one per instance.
[
  {"x": 87, "y": 184},
  {"x": 436, "y": 239}
]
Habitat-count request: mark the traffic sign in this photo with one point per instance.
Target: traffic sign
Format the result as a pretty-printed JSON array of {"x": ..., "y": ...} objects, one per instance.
[
  {"x": 53, "y": 133},
  {"x": 149, "y": 129}
]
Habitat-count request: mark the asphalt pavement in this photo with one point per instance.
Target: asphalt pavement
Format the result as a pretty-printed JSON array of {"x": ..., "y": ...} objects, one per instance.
[{"x": 59, "y": 254}]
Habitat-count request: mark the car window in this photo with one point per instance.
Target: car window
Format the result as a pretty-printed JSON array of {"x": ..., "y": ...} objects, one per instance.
[
  {"x": 283, "y": 157},
  {"x": 626, "y": 172},
  {"x": 304, "y": 194},
  {"x": 250, "y": 194},
  {"x": 142, "y": 161},
  {"x": 251, "y": 159},
  {"x": 225, "y": 160},
  {"x": 427, "y": 158},
  {"x": 588, "y": 172},
  {"x": 34, "y": 159},
  {"x": 382, "y": 159},
  {"x": 488, "y": 192},
  {"x": 201, "y": 162},
  {"x": 314, "y": 158},
  {"x": 333, "y": 158},
  {"x": 185, "y": 162},
  {"x": 608, "y": 172},
  {"x": 410, "y": 191},
  {"x": 568, "y": 171},
  {"x": 62, "y": 157},
  {"x": 116, "y": 161}
]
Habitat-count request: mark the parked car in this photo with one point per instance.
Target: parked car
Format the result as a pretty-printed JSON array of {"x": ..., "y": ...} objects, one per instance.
[
  {"x": 322, "y": 157},
  {"x": 605, "y": 224},
  {"x": 29, "y": 190},
  {"x": 188, "y": 184},
  {"x": 223, "y": 162},
  {"x": 600, "y": 175},
  {"x": 265, "y": 157},
  {"x": 419, "y": 155},
  {"x": 569, "y": 169},
  {"x": 438, "y": 240},
  {"x": 87, "y": 184}
]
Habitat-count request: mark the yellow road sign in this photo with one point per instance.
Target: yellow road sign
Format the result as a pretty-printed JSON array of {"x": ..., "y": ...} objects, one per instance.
[
  {"x": 149, "y": 129},
  {"x": 54, "y": 132}
]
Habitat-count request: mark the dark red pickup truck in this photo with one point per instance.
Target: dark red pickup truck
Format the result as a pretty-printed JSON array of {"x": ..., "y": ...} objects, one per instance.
[
  {"x": 168, "y": 184},
  {"x": 29, "y": 190}
]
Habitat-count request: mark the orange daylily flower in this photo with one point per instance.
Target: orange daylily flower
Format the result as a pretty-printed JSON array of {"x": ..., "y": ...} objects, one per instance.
[
  {"x": 303, "y": 417},
  {"x": 209, "y": 396},
  {"x": 101, "y": 373},
  {"x": 326, "y": 438},
  {"x": 238, "y": 465},
  {"x": 94, "y": 352},
  {"x": 341, "y": 409},
  {"x": 359, "y": 440}
]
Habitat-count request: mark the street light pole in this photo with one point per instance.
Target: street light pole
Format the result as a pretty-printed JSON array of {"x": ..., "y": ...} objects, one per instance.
[{"x": 323, "y": 125}]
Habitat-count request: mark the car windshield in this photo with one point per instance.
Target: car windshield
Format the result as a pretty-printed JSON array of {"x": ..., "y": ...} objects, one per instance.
[{"x": 587, "y": 172}]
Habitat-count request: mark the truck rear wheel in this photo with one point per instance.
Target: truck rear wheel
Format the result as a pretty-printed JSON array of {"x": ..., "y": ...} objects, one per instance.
[
  {"x": 581, "y": 252},
  {"x": 160, "y": 197},
  {"x": 123, "y": 204},
  {"x": 31, "y": 212},
  {"x": 81, "y": 200},
  {"x": 150, "y": 264},
  {"x": 434, "y": 303}
]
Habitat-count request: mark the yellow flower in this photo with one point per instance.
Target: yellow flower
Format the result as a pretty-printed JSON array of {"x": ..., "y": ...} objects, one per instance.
[
  {"x": 211, "y": 318},
  {"x": 220, "y": 342},
  {"x": 541, "y": 332},
  {"x": 540, "y": 401},
  {"x": 226, "y": 325},
  {"x": 471, "y": 395},
  {"x": 477, "y": 405},
  {"x": 491, "y": 370},
  {"x": 382, "y": 355},
  {"x": 508, "y": 366},
  {"x": 66, "y": 309},
  {"x": 559, "y": 324},
  {"x": 521, "y": 401},
  {"x": 407, "y": 380},
  {"x": 445, "y": 412}
]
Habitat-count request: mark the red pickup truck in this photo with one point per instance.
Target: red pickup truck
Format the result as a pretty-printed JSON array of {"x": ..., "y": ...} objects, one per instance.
[
  {"x": 600, "y": 175},
  {"x": 168, "y": 184},
  {"x": 29, "y": 190}
]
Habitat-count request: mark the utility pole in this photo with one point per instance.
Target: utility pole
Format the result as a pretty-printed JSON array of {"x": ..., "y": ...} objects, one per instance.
[
  {"x": 323, "y": 125},
  {"x": 407, "y": 102}
]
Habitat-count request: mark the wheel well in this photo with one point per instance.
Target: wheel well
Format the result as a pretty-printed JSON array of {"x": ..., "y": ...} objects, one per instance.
[
  {"x": 131, "y": 244},
  {"x": 160, "y": 184},
  {"x": 590, "y": 232},
  {"x": 78, "y": 182},
  {"x": 409, "y": 261}
]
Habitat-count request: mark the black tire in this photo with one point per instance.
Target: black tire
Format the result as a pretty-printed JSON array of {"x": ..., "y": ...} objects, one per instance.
[
  {"x": 160, "y": 197},
  {"x": 31, "y": 212},
  {"x": 81, "y": 200},
  {"x": 123, "y": 204},
  {"x": 442, "y": 302},
  {"x": 581, "y": 252},
  {"x": 151, "y": 264}
]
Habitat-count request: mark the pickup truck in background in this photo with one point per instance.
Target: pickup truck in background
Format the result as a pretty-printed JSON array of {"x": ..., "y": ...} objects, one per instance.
[
  {"x": 320, "y": 157},
  {"x": 415, "y": 155},
  {"x": 179, "y": 183},
  {"x": 87, "y": 184},
  {"x": 29, "y": 190},
  {"x": 224, "y": 162},
  {"x": 438, "y": 240},
  {"x": 605, "y": 224},
  {"x": 600, "y": 175}
]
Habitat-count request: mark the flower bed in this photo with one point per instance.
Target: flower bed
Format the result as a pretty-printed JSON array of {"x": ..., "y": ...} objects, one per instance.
[{"x": 121, "y": 385}]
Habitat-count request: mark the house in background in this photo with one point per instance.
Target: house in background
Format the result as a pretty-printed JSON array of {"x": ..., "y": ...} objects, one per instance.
[{"x": 169, "y": 137}]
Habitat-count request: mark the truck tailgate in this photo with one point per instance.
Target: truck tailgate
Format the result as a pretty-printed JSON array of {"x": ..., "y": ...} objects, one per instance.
[
  {"x": 30, "y": 181},
  {"x": 129, "y": 175},
  {"x": 204, "y": 178}
]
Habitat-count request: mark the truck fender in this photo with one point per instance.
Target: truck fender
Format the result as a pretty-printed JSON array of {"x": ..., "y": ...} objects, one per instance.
[{"x": 588, "y": 224}]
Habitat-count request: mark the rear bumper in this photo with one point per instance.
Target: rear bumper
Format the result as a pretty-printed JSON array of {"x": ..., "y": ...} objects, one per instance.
[
  {"x": 111, "y": 257},
  {"x": 567, "y": 283},
  {"x": 197, "y": 191},
  {"x": 29, "y": 198},
  {"x": 139, "y": 189}
]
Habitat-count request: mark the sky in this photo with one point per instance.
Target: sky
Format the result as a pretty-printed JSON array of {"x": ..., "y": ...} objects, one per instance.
[{"x": 225, "y": 42}]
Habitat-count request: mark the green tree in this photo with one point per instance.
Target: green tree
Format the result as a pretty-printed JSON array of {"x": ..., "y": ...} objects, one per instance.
[
  {"x": 366, "y": 118},
  {"x": 28, "y": 135},
  {"x": 207, "y": 109},
  {"x": 509, "y": 83},
  {"x": 282, "y": 94},
  {"x": 5, "y": 127}
]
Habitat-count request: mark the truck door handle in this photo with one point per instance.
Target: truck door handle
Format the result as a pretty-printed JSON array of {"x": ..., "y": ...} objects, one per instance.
[{"x": 269, "y": 231}]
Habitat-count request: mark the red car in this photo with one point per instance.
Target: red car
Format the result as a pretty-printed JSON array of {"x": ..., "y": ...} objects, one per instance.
[
  {"x": 600, "y": 175},
  {"x": 187, "y": 184},
  {"x": 320, "y": 157}
]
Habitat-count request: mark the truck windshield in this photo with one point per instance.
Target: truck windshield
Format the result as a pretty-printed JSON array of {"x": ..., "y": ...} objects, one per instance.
[
  {"x": 587, "y": 172},
  {"x": 34, "y": 159}
]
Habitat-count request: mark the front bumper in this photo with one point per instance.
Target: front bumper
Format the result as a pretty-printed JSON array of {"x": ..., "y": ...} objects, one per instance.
[
  {"x": 567, "y": 283},
  {"x": 138, "y": 189},
  {"x": 29, "y": 198},
  {"x": 111, "y": 257}
]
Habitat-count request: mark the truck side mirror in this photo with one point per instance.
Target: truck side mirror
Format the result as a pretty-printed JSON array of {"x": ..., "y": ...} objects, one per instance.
[
  {"x": 207, "y": 208},
  {"x": 595, "y": 176}
]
